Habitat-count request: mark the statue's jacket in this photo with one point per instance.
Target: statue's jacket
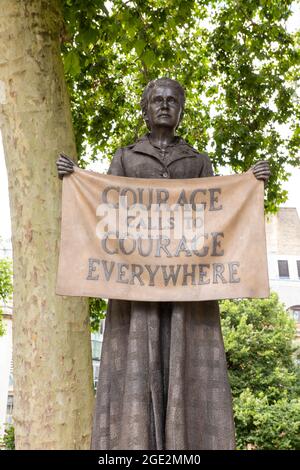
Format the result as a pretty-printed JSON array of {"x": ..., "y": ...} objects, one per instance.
[
  {"x": 163, "y": 381},
  {"x": 143, "y": 160}
]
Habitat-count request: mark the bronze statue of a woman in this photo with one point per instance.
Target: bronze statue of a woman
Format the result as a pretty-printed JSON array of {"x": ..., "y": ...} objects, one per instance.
[{"x": 163, "y": 380}]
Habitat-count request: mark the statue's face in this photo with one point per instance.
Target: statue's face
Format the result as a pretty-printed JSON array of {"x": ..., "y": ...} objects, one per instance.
[{"x": 164, "y": 108}]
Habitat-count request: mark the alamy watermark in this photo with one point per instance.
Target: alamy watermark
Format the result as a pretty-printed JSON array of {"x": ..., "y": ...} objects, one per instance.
[{"x": 157, "y": 221}]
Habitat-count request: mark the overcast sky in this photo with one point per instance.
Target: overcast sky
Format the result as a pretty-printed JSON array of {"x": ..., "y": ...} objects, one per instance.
[{"x": 292, "y": 186}]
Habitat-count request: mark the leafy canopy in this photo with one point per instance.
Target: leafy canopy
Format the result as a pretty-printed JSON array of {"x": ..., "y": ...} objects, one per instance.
[
  {"x": 236, "y": 59},
  {"x": 97, "y": 310}
]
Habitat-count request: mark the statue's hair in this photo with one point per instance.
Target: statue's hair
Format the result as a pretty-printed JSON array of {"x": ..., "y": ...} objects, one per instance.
[{"x": 161, "y": 82}]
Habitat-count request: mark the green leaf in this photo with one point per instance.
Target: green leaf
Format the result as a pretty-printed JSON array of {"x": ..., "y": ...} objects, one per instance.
[
  {"x": 149, "y": 58},
  {"x": 72, "y": 63},
  {"x": 139, "y": 46}
]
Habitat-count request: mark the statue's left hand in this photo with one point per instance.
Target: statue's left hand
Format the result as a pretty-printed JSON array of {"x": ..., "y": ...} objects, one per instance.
[{"x": 261, "y": 171}]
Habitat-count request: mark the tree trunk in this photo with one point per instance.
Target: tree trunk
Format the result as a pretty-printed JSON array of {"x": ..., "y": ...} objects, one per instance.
[{"x": 53, "y": 392}]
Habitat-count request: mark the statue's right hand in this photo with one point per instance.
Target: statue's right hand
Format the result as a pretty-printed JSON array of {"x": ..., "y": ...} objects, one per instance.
[{"x": 65, "y": 165}]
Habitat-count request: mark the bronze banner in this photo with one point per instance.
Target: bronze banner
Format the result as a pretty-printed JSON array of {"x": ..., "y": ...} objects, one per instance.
[{"x": 162, "y": 240}]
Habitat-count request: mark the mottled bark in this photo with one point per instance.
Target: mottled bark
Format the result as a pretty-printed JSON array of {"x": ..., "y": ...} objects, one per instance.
[{"x": 53, "y": 393}]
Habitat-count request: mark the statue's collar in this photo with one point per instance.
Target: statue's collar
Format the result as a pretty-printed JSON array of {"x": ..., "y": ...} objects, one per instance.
[{"x": 143, "y": 145}]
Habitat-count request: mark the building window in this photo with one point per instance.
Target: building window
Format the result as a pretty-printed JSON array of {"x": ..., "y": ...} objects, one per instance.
[
  {"x": 96, "y": 349},
  {"x": 298, "y": 267},
  {"x": 10, "y": 405},
  {"x": 96, "y": 368},
  {"x": 296, "y": 315},
  {"x": 283, "y": 269}
]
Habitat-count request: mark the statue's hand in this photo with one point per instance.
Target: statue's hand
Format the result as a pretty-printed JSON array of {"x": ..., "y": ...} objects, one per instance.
[
  {"x": 65, "y": 165},
  {"x": 261, "y": 171}
]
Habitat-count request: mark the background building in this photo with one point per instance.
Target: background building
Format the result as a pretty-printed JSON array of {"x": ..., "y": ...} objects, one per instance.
[
  {"x": 283, "y": 247},
  {"x": 97, "y": 340}
]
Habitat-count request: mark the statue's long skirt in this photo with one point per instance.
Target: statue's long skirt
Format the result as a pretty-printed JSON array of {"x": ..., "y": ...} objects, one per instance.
[{"x": 163, "y": 380}]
